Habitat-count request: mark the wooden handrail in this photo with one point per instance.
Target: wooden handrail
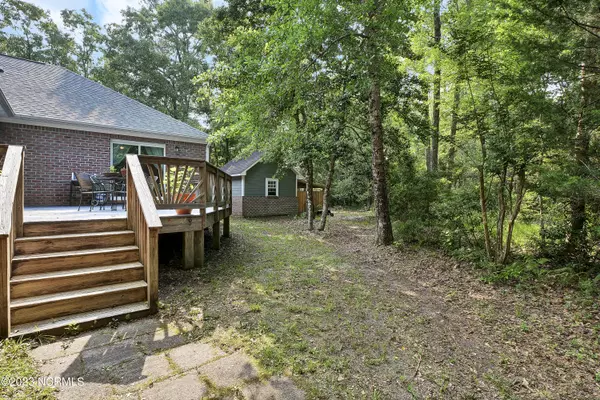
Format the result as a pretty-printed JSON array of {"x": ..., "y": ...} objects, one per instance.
[
  {"x": 135, "y": 172},
  {"x": 144, "y": 221},
  {"x": 11, "y": 224}
]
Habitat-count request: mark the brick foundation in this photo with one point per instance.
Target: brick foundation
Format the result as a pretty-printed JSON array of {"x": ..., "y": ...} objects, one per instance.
[
  {"x": 236, "y": 204},
  {"x": 51, "y": 155},
  {"x": 266, "y": 206}
]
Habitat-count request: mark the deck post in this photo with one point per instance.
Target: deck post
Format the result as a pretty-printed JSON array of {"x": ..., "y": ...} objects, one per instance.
[
  {"x": 199, "y": 249},
  {"x": 226, "y": 227},
  {"x": 216, "y": 234},
  {"x": 5, "y": 266},
  {"x": 188, "y": 249},
  {"x": 152, "y": 266}
]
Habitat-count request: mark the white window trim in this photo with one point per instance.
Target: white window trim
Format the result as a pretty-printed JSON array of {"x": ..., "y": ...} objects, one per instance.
[
  {"x": 243, "y": 185},
  {"x": 134, "y": 143},
  {"x": 296, "y": 186},
  {"x": 267, "y": 180}
]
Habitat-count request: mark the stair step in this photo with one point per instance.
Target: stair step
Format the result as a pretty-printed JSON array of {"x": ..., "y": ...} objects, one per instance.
[
  {"x": 66, "y": 260},
  {"x": 30, "y": 309},
  {"x": 73, "y": 241},
  {"x": 83, "y": 320},
  {"x": 68, "y": 227},
  {"x": 61, "y": 281}
]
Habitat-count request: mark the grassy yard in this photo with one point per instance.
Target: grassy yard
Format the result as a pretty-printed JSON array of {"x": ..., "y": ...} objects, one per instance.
[{"x": 345, "y": 319}]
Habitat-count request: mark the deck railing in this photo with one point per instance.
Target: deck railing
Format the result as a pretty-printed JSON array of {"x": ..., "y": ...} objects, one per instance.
[
  {"x": 11, "y": 223},
  {"x": 186, "y": 183},
  {"x": 144, "y": 221},
  {"x": 155, "y": 183}
]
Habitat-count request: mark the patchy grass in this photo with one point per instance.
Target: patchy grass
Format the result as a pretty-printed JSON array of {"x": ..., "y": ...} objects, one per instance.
[
  {"x": 346, "y": 319},
  {"x": 18, "y": 373}
]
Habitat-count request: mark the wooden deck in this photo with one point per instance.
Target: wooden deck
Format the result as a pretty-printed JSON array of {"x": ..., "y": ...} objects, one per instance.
[
  {"x": 61, "y": 267},
  {"x": 70, "y": 213}
]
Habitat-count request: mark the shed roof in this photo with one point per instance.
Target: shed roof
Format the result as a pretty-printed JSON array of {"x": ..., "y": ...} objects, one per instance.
[
  {"x": 240, "y": 166},
  {"x": 32, "y": 91}
]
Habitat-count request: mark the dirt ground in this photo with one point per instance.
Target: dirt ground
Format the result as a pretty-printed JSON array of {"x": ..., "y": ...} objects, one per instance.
[{"x": 346, "y": 319}]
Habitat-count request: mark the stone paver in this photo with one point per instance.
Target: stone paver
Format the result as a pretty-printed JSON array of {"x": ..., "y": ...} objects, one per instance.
[
  {"x": 153, "y": 334},
  {"x": 111, "y": 355},
  {"x": 186, "y": 387},
  {"x": 144, "y": 358},
  {"x": 230, "y": 371},
  {"x": 68, "y": 366},
  {"x": 88, "y": 391},
  {"x": 274, "y": 389},
  {"x": 161, "y": 340},
  {"x": 194, "y": 354},
  {"x": 140, "y": 371}
]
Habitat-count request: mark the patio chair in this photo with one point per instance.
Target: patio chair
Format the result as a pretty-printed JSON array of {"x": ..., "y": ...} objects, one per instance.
[
  {"x": 85, "y": 186},
  {"x": 120, "y": 192},
  {"x": 101, "y": 192}
]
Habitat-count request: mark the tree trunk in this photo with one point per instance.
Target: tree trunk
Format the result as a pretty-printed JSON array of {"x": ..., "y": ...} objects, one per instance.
[
  {"x": 501, "y": 212},
  {"x": 581, "y": 155},
  {"x": 384, "y": 235},
  {"x": 483, "y": 200},
  {"x": 310, "y": 207},
  {"x": 453, "y": 128},
  {"x": 513, "y": 218},
  {"x": 437, "y": 85},
  {"x": 326, "y": 192},
  {"x": 380, "y": 194}
]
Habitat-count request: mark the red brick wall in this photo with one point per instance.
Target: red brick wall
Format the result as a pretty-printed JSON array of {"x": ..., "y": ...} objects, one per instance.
[
  {"x": 267, "y": 206},
  {"x": 52, "y": 154}
]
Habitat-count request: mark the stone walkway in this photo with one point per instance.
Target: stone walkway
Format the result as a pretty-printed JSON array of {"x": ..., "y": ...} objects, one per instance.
[{"x": 147, "y": 359}]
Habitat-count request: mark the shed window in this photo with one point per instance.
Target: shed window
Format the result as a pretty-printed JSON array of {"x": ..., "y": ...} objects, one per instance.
[{"x": 272, "y": 187}]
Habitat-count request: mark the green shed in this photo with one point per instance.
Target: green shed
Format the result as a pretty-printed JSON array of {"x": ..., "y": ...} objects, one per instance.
[{"x": 259, "y": 190}]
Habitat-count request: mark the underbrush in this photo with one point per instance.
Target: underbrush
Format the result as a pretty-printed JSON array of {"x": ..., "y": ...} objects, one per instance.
[{"x": 531, "y": 263}]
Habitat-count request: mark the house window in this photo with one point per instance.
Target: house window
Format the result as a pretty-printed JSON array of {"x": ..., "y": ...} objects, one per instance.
[
  {"x": 272, "y": 187},
  {"x": 120, "y": 148}
]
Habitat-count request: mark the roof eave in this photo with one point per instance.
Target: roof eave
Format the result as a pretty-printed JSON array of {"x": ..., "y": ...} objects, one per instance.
[
  {"x": 5, "y": 104},
  {"x": 81, "y": 126}
]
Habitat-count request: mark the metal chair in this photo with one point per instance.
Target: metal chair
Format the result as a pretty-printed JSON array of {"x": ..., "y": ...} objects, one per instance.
[
  {"x": 85, "y": 186},
  {"x": 120, "y": 191},
  {"x": 101, "y": 192}
]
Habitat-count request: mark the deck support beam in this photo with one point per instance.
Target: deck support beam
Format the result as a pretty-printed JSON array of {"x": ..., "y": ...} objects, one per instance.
[
  {"x": 188, "y": 249},
  {"x": 5, "y": 268},
  {"x": 216, "y": 235},
  {"x": 226, "y": 227},
  {"x": 199, "y": 249}
]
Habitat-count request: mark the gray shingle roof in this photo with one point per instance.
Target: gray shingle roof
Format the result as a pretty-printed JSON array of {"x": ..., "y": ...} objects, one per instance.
[
  {"x": 49, "y": 92},
  {"x": 236, "y": 167}
]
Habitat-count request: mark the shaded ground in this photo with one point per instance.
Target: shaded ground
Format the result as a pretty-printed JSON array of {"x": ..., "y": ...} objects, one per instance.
[
  {"x": 346, "y": 319},
  {"x": 152, "y": 360}
]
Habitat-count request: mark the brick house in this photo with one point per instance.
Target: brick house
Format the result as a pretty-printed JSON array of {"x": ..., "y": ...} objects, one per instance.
[
  {"x": 259, "y": 189},
  {"x": 71, "y": 124}
]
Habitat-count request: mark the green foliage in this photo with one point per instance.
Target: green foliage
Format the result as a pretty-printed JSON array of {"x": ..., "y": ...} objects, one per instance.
[{"x": 155, "y": 54}]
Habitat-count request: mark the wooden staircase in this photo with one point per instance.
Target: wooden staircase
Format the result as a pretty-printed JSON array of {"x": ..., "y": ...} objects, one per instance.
[{"x": 83, "y": 272}]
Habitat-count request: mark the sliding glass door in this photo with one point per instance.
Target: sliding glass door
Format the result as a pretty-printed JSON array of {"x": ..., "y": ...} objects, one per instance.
[{"x": 119, "y": 149}]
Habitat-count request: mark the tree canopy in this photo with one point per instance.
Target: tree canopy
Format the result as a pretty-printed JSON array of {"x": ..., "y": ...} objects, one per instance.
[{"x": 467, "y": 125}]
